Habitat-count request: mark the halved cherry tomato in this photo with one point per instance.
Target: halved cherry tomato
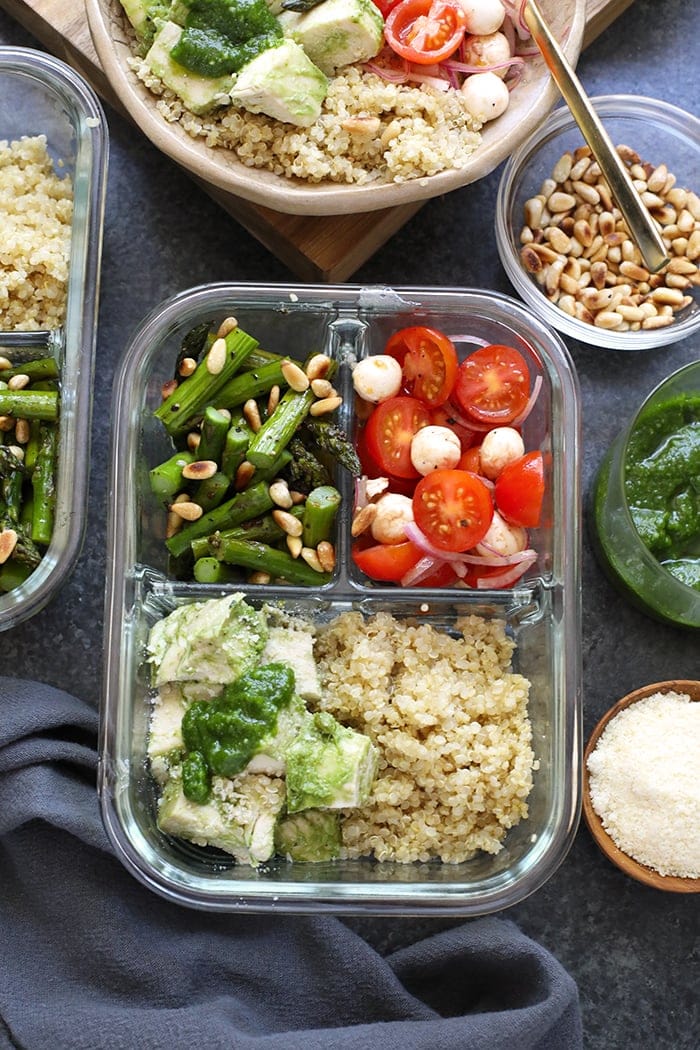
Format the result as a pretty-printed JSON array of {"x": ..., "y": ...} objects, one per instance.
[
  {"x": 429, "y": 363},
  {"x": 385, "y": 6},
  {"x": 520, "y": 490},
  {"x": 389, "y": 432},
  {"x": 387, "y": 561},
  {"x": 493, "y": 385},
  {"x": 453, "y": 508},
  {"x": 425, "y": 31},
  {"x": 443, "y": 417},
  {"x": 471, "y": 460}
]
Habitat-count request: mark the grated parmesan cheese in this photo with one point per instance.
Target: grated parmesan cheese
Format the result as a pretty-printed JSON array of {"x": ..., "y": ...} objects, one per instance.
[{"x": 644, "y": 776}]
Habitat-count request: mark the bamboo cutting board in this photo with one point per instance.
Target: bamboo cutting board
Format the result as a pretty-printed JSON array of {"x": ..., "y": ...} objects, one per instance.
[{"x": 315, "y": 248}]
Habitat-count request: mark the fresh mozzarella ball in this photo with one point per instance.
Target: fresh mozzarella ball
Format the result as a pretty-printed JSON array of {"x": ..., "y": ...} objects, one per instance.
[
  {"x": 487, "y": 96},
  {"x": 492, "y": 49},
  {"x": 501, "y": 446},
  {"x": 435, "y": 448},
  {"x": 502, "y": 538},
  {"x": 393, "y": 514},
  {"x": 377, "y": 378},
  {"x": 483, "y": 16}
]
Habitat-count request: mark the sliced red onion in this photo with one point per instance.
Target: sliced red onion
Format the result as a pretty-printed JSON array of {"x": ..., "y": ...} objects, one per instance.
[
  {"x": 421, "y": 570},
  {"x": 465, "y": 67},
  {"x": 418, "y": 537},
  {"x": 494, "y": 560},
  {"x": 392, "y": 76},
  {"x": 360, "y": 493},
  {"x": 437, "y": 82},
  {"x": 507, "y": 577},
  {"x": 536, "y": 387},
  {"x": 469, "y": 339}
]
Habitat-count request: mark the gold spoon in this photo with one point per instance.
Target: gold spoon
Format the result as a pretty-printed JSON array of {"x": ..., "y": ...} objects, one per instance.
[{"x": 638, "y": 219}]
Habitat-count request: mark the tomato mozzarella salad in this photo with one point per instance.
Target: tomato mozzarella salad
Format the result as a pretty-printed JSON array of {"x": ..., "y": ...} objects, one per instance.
[{"x": 449, "y": 490}]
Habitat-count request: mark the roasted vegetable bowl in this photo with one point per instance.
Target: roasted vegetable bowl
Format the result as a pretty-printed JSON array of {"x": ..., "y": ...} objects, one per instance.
[{"x": 171, "y": 731}]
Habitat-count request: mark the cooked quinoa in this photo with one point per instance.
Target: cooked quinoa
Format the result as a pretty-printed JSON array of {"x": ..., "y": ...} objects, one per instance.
[
  {"x": 451, "y": 724},
  {"x": 36, "y": 209},
  {"x": 369, "y": 130}
]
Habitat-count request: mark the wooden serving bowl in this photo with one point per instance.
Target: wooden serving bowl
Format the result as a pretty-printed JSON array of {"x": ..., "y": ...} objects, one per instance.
[
  {"x": 631, "y": 867},
  {"x": 532, "y": 100}
]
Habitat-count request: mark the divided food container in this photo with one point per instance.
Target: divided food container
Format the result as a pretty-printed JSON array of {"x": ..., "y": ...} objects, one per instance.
[
  {"x": 40, "y": 95},
  {"x": 542, "y": 611}
]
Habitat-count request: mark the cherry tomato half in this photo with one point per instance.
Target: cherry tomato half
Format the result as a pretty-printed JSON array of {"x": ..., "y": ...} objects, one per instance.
[
  {"x": 429, "y": 363},
  {"x": 425, "y": 31},
  {"x": 471, "y": 460},
  {"x": 443, "y": 417},
  {"x": 453, "y": 508},
  {"x": 520, "y": 490},
  {"x": 388, "y": 562},
  {"x": 385, "y": 6},
  {"x": 493, "y": 385},
  {"x": 389, "y": 432}
]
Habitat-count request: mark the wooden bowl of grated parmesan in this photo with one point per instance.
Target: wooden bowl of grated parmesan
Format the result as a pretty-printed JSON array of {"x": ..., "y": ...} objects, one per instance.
[{"x": 641, "y": 785}]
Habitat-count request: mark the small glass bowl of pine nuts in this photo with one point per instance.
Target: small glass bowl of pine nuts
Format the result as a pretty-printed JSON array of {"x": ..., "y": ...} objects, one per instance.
[{"x": 566, "y": 248}]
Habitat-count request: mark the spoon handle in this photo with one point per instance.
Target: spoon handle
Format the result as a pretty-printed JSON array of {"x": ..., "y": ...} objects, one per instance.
[{"x": 639, "y": 221}]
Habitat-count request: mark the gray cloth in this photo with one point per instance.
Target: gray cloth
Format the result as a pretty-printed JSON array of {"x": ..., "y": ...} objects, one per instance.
[{"x": 89, "y": 958}]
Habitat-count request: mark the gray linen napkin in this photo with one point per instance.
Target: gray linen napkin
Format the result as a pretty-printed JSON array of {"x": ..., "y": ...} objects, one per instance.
[{"x": 91, "y": 959}]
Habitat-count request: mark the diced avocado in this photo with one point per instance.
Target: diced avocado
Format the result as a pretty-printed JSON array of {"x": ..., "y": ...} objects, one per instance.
[
  {"x": 283, "y": 83},
  {"x": 294, "y": 648},
  {"x": 329, "y": 766},
  {"x": 214, "y": 641},
  {"x": 336, "y": 33},
  {"x": 199, "y": 94},
  {"x": 313, "y": 835},
  {"x": 178, "y": 11},
  {"x": 239, "y": 819},
  {"x": 146, "y": 16}
]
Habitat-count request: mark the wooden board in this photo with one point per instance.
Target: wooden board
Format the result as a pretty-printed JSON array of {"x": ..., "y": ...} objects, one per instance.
[{"x": 324, "y": 248}]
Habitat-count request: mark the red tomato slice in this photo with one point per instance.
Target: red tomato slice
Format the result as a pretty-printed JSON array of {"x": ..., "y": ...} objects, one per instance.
[
  {"x": 385, "y": 6},
  {"x": 520, "y": 490},
  {"x": 429, "y": 363},
  {"x": 493, "y": 385},
  {"x": 443, "y": 417},
  {"x": 453, "y": 508},
  {"x": 389, "y": 432},
  {"x": 471, "y": 460},
  {"x": 387, "y": 562},
  {"x": 425, "y": 31}
]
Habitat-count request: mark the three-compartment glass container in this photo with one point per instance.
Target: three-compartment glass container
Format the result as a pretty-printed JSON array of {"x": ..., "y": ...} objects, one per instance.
[
  {"x": 541, "y": 611},
  {"x": 42, "y": 96}
]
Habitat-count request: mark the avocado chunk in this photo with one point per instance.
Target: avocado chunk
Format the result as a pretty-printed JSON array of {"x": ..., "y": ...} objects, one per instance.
[
  {"x": 283, "y": 83},
  {"x": 214, "y": 641},
  {"x": 313, "y": 835},
  {"x": 336, "y": 33},
  {"x": 199, "y": 94},
  {"x": 146, "y": 16},
  {"x": 329, "y": 766}
]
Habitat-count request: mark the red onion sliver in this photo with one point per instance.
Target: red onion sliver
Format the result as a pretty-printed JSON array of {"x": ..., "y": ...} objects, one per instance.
[
  {"x": 503, "y": 560},
  {"x": 421, "y": 570},
  {"x": 414, "y": 534},
  {"x": 506, "y": 578},
  {"x": 469, "y": 339},
  {"x": 536, "y": 387}
]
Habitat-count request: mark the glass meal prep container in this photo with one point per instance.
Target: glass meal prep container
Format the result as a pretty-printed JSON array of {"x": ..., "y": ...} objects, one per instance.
[
  {"x": 40, "y": 95},
  {"x": 541, "y": 611}
]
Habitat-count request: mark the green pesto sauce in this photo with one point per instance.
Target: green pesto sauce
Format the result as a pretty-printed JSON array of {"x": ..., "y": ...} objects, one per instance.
[
  {"x": 662, "y": 484},
  {"x": 221, "y": 36},
  {"x": 222, "y": 735}
]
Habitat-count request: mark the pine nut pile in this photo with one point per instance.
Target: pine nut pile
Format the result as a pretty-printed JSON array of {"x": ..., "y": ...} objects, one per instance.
[{"x": 577, "y": 247}]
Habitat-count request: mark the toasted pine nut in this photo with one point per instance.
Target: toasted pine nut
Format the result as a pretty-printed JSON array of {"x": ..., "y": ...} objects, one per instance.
[
  {"x": 216, "y": 358},
  {"x": 18, "y": 382},
  {"x": 8, "y": 542},
  {"x": 226, "y": 326},
  {"x": 168, "y": 388},
  {"x": 22, "y": 431},
  {"x": 244, "y": 474},
  {"x": 318, "y": 366},
  {"x": 193, "y": 440},
  {"x": 294, "y": 545},
  {"x": 659, "y": 321},
  {"x": 173, "y": 524},
  {"x": 5, "y": 363},
  {"x": 326, "y": 555},
  {"x": 321, "y": 387},
  {"x": 325, "y": 405},
  {"x": 295, "y": 377},
  {"x": 16, "y": 451},
  {"x": 200, "y": 470},
  {"x": 252, "y": 414},
  {"x": 288, "y": 523},
  {"x": 363, "y": 519},
  {"x": 187, "y": 366},
  {"x": 297, "y": 497},
  {"x": 259, "y": 577},
  {"x": 273, "y": 399},
  {"x": 189, "y": 510},
  {"x": 311, "y": 558},
  {"x": 6, "y": 423},
  {"x": 279, "y": 494}
]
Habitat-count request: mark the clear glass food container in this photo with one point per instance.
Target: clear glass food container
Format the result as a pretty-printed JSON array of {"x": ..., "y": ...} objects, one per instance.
[
  {"x": 542, "y": 611},
  {"x": 40, "y": 95},
  {"x": 662, "y": 134},
  {"x": 631, "y": 566}
]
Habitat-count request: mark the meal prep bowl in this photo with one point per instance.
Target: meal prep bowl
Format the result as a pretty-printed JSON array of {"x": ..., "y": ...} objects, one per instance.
[
  {"x": 627, "y": 864},
  {"x": 40, "y": 95},
  {"x": 662, "y": 134},
  {"x": 532, "y": 100},
  {"x": 541, "y": 612},
  {"x": 623, "y": 555}
]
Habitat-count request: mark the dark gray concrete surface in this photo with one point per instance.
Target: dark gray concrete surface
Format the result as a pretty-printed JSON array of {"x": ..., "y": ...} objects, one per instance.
[{"x": 634, "y": 952}]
